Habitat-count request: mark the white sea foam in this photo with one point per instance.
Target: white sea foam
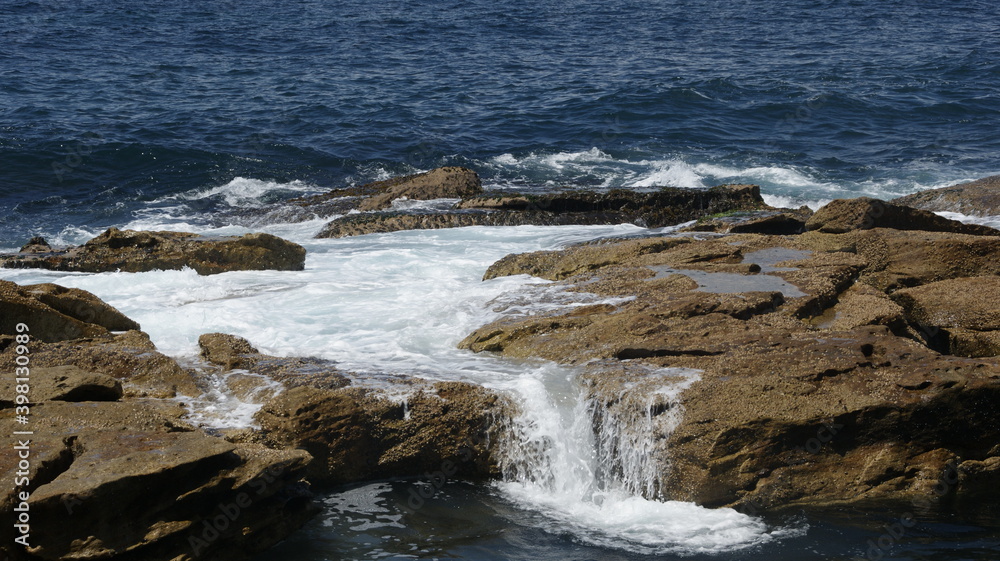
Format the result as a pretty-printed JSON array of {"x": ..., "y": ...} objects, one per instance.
[
  {"x": 793, "y": 202},
  {"x": 593, "y": 485},
  {"x": 668, "y": 173},
  {"x": 218, "y": 407},
  {"x": 418, "y": 205},
  {"x": 786, "y": 186},
  {"x": 244, "y": 191},
  {"x": 990, "y": 220}
]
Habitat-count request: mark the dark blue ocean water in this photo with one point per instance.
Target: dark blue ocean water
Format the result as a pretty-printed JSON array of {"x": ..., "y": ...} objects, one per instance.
[
  {"x": 116, "y": 113},
  {"x": 108, "y": 105}
]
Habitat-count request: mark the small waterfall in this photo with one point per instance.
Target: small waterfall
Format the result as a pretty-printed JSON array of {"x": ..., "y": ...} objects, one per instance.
[
  {"x": 586, "y": 453},
  {"x": 632, "y": 423}
]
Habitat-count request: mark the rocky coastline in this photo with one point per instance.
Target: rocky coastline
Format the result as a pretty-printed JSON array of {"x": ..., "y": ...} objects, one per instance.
[{"x": 845, "y": 355}]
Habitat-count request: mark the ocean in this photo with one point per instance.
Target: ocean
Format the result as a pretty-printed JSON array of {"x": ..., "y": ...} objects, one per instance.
[{"x": 177, "y": 115}]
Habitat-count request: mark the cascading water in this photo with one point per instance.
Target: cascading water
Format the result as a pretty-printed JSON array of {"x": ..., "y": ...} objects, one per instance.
[
  {"x": 629, "y": 422},
  {"x": 588, "y": 460}
]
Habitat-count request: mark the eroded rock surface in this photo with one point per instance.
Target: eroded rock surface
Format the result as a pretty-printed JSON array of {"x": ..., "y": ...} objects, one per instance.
[
  {"x": 54, "y": 313},
  {"x": 232, "y": 352},
  {"x": 131, "y": 480},
  {"x": 824, "y": 374},
  {"x": 357, "y": 433},
  {"x": 362, "y": 427},
  {"x": 129, "y": 357},
  {"x": 113, "y": 471},
  {"x": 440, "y": 183}
]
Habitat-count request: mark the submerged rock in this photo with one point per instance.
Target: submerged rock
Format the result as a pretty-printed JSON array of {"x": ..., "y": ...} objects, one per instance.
[
  {"x": 232, "y": 352},
  {"x": 134, "y": 251},
  {"x": 840, "y": 390},
  {"x": 980, "y": 197}
]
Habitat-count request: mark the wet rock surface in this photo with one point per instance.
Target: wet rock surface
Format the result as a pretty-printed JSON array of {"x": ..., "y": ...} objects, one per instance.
[
  {"x": 665, "y": 207},
  {"x": 864, "y": 213},
  {"x": 440, "y": 183},
  {"x": 453, "y": 197},
  {"x": 135, "y": 251},
  {"x": 119, "y": 472},
  {"x": 848, "y": 389},
  {"x": 390, "y": 426},
  {"x": 114, "y": 474},
  {"x": 113, "y": 471},
  {"x": 980, "y": 197},
  {"x": 231, "y": 352},
  {"x": 357, "y": 433},
  {"x": 779, "y": 222}
]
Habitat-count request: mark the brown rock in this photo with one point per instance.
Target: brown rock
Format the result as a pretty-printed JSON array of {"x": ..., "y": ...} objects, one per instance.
[
  {"x": 861, "y": 305},
  {"x": 356, "y": 434},
  {"x": 900, "y": 259},
  {"x": 440, "y": 183},
  {"x": 864, "y": 213},
  {"x": 849, "y": 405},
  {"x": 129, "y": 480},
  {"x": 782, "y": 222},
  {"x": 665, "y": 207},
  {"x": 63, "y": 383},
  {"x": 82, "y": 305},
  {"x": 961, "y": 315},
  {"x": 232, "y": 352},
  {"x": 228, "y": 351},
  {"x": 129, "y": 357},
  {"x": 36, "y": 244},
  {"x": 384, "y": 222},
  {"x": 980, "y": 197},
  {"x": 18, "y": 306},
  {"x": 131, "y": 251},
  {"x": 970, "y": 303}
]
